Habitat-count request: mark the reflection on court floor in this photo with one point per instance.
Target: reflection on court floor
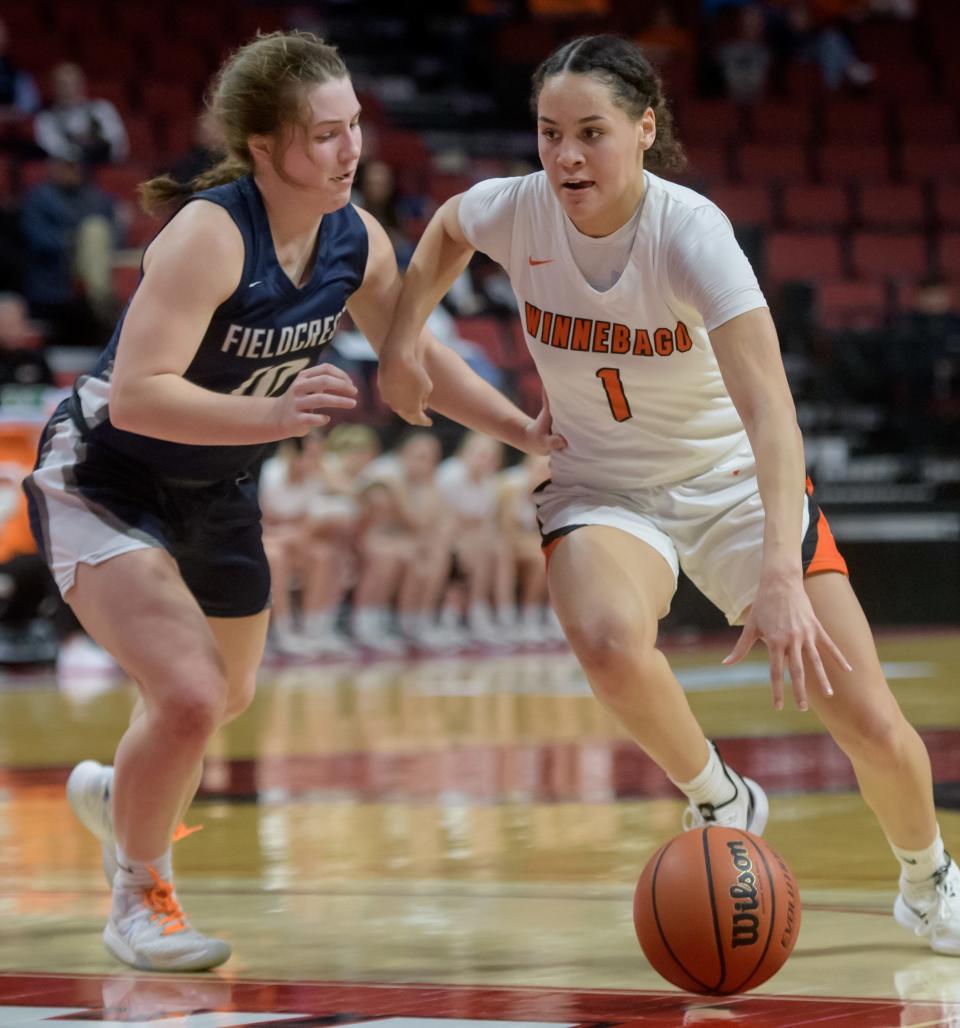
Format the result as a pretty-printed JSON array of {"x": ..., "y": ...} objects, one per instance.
[{"x": 458, "y": 840}]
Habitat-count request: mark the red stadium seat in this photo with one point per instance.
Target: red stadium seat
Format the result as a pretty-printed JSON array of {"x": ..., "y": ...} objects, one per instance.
[
  {"x": 142, "y": 142},
  {"x": 519, "y": 356},
  {"x": 487, "y": 332},
  {"x": 530, "y": 392},
  {"x": 167, "y": 99},
  {"x": 889, "y": 255},
  {"x": 441, "y": 185},
  {"x": 932, "y": 161},
  {"x": 706, "y": 164},
  {"x": 885, "y": 205},
  {"x": 117, "y": 91},
  {"x": 851, "y": 305},
  {"x": 708, "y": 121},
  {"x": 948, "y": 256},
  {"x": 403, "y": 149},
  {"x": 121, "y": 180},
  {"x": 744, "y": 204},
  {"x": 946, "y": 205},
  {"x": 934, "y": 122},
  {"x": 525, "y": 43},
  {"x": 816, "y": 206},
  {"x": 856, "y": 121},
  {"x": 779, "y": 122},
  {"x": 903, "y": 77},
  {"x": 142, "y": 228},
  {"x": 770, "y": 162},
  {"x": 883, "y": 41},
  {"x": 125, "y": 279},
  {"x": 803, "y": 257},
  {"x": 101, "y": 57},
  {"x": 857, "y": 162}
]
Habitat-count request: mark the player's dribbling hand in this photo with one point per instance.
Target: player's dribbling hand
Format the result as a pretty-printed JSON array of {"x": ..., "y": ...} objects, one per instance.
[
  {"x": 405, "y": 388},
  {"x": 315, "y": 389},
  {"x": 783, "y": 617}
]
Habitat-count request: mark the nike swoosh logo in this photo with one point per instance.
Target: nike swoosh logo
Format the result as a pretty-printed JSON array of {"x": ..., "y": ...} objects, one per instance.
[
  {"x": 535, "y": 263},
  {"x": 252, "y": 284}
]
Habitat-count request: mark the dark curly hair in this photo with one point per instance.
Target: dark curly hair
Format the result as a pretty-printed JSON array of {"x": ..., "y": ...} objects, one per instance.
[{"x": 633, "y": 83}]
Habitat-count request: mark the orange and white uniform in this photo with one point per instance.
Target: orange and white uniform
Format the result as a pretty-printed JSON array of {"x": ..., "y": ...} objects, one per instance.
[{"x": 618, "y": 328}]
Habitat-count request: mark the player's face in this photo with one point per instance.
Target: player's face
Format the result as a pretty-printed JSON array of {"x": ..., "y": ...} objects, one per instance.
[
  {"x": 322, "y": 156},
  {"x": 592, "y": 151}
]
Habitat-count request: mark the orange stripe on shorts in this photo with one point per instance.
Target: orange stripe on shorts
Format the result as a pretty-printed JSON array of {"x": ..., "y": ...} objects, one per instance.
[{"x": 826, "y": 557}]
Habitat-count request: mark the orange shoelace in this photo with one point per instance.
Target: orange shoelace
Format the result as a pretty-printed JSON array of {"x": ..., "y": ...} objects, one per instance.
[
  {"x": 182, "y": 831},
  {"x": 165, "y": 908}
]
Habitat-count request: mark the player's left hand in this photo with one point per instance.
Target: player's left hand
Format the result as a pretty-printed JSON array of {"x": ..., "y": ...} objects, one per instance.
[
  {"x": 782, "y": 616},
  {"x": 539, "y": 438}
]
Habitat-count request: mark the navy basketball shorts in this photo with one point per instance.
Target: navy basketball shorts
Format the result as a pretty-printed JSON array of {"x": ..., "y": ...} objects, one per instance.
[{"x": 87, "y": 506}]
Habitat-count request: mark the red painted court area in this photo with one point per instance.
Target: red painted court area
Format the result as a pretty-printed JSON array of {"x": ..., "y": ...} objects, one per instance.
[{"x": 32, "y": 1000}]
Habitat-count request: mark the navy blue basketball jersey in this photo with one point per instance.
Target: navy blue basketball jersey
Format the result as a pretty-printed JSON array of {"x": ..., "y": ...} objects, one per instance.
[{"x": 257, "y": 342}]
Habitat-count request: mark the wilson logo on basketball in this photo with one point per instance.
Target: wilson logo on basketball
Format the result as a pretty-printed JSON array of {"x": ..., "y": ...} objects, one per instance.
[{"x": 746, "y": 926}]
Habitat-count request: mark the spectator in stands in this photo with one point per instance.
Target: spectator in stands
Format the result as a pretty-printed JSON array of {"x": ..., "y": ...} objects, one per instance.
[
  {"x": 375, "y": 190},
  {"x": 76, "y": 127},
  {"x": 387, "y": 548},
  {"x": 207, "y": 149},
  {"x": 21, "y": 359},
  {"x": 412, "y": 472},
  {"x": 664, "y": 40},
  {"x": 517, "y": 518},
  {"x": 443, "y": 325},
  {"x": 923, "y": 359},
  {"x": 745, "y": 59},
  {"x": 19, "y": 97},
  {"x": 800, "y": 34},
  {"x": 308, "y": 518},
  {"x": 69, "y": 227},
  {"x": 351, "y": 448},
  {"x": 469, "y": 484}
]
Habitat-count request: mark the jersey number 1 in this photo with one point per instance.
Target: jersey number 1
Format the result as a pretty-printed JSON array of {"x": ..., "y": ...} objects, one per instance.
[{"x": 616, "y": 397}]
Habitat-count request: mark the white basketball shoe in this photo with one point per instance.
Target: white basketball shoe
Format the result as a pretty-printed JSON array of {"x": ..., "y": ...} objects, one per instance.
[
  {"x": 748, "y": 808},
  {"x": 148, "y": 930},
  {"x": 931, "y": 909},
  {"x": 88, "y": 793}
]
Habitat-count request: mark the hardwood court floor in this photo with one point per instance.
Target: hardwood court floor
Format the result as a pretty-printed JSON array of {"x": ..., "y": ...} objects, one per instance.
[{"x": 459, "y": 839}]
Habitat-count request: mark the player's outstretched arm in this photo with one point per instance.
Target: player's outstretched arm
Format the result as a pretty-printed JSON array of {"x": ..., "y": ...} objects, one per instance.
[
  {"x": 193, "y": 266},
  {"x": 748, "y": 354},
  {"x": 420, "y": 367},
  {"x": 440, "y": 257}
]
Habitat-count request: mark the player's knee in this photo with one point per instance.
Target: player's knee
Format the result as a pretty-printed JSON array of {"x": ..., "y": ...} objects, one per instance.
[
  {"x": 613, "y": 654},
  {"x": 194, "y": 705},
  {"x": 878, "y": 738}
]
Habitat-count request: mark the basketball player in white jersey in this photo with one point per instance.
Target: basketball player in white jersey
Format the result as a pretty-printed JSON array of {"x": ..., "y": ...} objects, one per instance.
[{"x": 662, "y": 369}]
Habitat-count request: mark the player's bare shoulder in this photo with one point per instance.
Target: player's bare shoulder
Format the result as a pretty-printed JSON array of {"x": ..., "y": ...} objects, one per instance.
[{"x": 200, "y": 244}]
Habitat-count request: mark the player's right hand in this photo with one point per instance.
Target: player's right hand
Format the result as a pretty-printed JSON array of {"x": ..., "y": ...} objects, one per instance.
[
  {"x": 405, "y": 387},
  {"x": 322, "y": 387}
]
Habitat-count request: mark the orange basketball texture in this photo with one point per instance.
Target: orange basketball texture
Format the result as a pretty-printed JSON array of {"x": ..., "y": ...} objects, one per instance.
[{"x": 717, "y": 911}]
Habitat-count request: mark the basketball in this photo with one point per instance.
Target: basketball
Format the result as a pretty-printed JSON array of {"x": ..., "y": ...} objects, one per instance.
[{"x": 717, "y": 911}]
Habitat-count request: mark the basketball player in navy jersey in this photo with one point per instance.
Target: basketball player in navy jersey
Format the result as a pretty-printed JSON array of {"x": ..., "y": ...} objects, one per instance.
[
  {"x": 662, "y": 368},
  {"x": 143, "y": 499}
]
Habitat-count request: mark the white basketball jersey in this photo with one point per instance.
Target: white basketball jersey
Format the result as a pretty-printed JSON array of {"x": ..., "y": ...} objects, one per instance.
[{"x": 630, "y": 374}]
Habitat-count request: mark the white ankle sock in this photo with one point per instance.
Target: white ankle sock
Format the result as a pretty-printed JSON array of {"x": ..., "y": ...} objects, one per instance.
[
  {"x": 712, "y": 784},
  {"x": 919, "y": 865},
  {"x": 135, "y": 874}
]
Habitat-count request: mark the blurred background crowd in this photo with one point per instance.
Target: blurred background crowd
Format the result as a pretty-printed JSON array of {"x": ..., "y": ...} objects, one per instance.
[{"x": 828, "y": 130}]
